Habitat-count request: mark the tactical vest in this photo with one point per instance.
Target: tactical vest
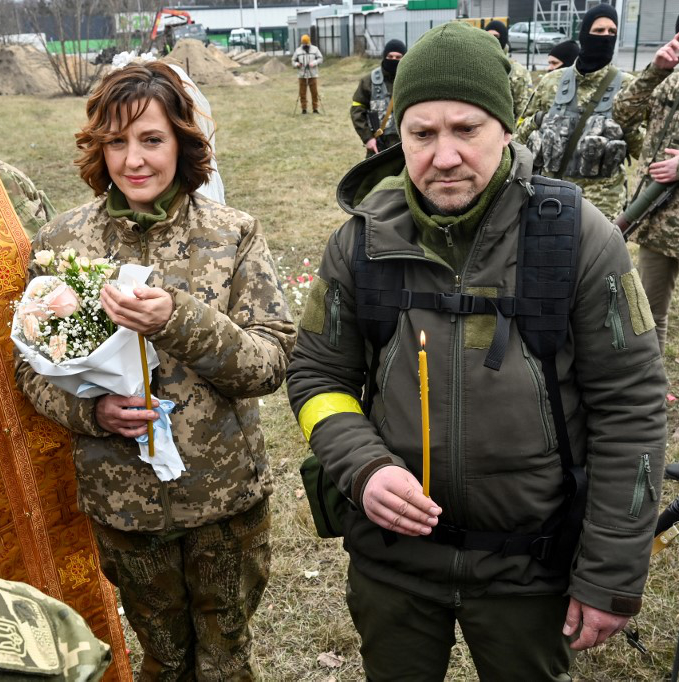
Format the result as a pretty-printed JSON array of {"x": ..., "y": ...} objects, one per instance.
[
  {"x": 545, "y": 285},
  {"x": 379, "y": 100},
  {"x": 600, "y": 148}
]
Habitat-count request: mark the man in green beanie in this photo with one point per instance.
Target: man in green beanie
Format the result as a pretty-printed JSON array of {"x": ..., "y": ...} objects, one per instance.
[{"x": 480, "y": 527}]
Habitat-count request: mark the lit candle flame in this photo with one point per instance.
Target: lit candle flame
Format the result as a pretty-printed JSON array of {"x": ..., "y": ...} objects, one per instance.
[{"x": 423, "y": 339}]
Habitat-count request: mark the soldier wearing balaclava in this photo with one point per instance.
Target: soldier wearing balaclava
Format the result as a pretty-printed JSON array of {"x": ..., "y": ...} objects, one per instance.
[
  {"x": 520, "y": 82},
  {"x": 562, "y": 55},
  {"x": 371, "y": 107},
  {"x": 569, "y": 125},
  {"x": 598, "y": 33}
]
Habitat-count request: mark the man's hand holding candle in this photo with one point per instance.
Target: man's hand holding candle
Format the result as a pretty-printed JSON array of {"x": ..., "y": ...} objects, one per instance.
[{"x": 393, "y": 499}]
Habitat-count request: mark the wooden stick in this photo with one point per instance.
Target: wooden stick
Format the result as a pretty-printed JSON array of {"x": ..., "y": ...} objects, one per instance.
[{"x": 147, "y": 390}]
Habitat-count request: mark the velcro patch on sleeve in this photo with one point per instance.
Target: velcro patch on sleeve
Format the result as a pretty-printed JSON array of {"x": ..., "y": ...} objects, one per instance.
[
  {"x": 313, "y": 319},
  {"x": 479, "y": 329},
  {"x": 639, "y": 308}
]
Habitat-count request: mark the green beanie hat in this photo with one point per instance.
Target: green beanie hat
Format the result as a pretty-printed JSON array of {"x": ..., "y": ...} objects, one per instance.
[{"x": 456, "y": 61}]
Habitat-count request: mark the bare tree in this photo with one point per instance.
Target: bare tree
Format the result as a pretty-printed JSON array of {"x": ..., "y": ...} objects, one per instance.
[
  {"x": 9, "y": 20},
  {"x": 70, "y": 22}
]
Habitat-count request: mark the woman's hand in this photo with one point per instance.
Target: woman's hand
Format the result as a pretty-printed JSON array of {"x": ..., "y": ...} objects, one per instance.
[
  {"x": 111, "y": 414},
  {"x": 145, "y": 313}
]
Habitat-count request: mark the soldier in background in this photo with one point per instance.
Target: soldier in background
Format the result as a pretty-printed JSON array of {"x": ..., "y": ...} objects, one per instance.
[
  {"x": 652, "y": 99},
  {"x": 307, "y": 58},
  {"x": 32, "y": 206},
  {"x": 562, "y": 55},
  {"x": 45, "y": 639},
  {"x": 569, "y": 124},
  {"x": 520, "y": 81},
  {"x": 372, "y": 102}
]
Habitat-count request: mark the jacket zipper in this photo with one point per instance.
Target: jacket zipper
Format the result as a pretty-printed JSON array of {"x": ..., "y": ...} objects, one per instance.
[
  {"x": 335, "y": 322},
  {"x": 613, "y": 320},
  {"x": 643, "y": 481},
  {"x": 538, "y": 380}
]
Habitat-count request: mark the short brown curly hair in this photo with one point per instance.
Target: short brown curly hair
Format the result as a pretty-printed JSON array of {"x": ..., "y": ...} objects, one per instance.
[{"x": 119, "y": 91}]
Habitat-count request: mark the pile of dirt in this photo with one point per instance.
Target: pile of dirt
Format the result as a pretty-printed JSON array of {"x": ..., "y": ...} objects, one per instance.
[
  {"x": 24, "y": 70},
  {"x": 272, "y": 67},
  {"x": 221, "y": 56},
  {"x": 200, "y": 63}
]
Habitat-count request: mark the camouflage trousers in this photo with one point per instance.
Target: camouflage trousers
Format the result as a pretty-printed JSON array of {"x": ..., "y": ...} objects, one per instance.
[{"x": 190, "y": 598}]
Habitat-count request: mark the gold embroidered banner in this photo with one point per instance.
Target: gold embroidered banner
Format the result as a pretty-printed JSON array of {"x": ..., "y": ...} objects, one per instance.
[{"x": 44, "y": 540}]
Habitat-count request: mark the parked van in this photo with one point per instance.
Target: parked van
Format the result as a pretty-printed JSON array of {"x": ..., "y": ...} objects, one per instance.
[{"x": 242, "y": 37}]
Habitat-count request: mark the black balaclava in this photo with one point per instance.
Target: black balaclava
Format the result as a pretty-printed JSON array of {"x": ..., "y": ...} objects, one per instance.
[
  {"x": 501, "y": 29},
  {"x": 389, "y": 66},
  {"x": 566, "y": 52},
  {"x": 306, "y": 48},
  {"x": 596, "y": 51}
]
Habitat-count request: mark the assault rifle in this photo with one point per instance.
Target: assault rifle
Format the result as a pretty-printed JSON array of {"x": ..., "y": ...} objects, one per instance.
[{"x": 648, "y": 202}]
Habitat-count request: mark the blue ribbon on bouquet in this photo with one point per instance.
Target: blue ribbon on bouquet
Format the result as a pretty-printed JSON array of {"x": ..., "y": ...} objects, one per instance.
[{"x": 166, "y": 462}]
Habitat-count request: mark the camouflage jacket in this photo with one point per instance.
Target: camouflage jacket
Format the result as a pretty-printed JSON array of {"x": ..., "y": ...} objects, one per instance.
[
  {"x": 32, "y": 206},
  {"x": 649, "y": 100},
  {"x": 607, "y": 194},
  {"x": 521, "y": 86},
  {"x": 225, "y": 344},
  {"x": 44, "y": 639}
]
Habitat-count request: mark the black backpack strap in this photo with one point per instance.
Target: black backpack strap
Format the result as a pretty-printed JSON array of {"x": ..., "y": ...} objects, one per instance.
[{"x": 546, "y": 272}]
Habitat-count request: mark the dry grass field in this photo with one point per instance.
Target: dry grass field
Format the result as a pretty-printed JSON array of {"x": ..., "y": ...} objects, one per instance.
[{"x": 284, "y": 169}]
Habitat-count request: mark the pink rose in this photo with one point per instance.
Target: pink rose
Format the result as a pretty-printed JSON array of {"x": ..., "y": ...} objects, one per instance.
[
  {"x": 31, "y": 328},
  {"x": 57, "y": 347},
  {"x": 62, "y": 301}
]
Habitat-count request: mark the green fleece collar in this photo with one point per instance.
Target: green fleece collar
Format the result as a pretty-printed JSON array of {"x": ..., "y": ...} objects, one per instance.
[
  {"x": 450, "y": 237},
  {"x": 117, "y": 206}
]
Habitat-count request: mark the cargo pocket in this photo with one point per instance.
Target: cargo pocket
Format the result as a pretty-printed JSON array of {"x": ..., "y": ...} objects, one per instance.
[
  {"x": 643, "y": 481},
  {"x": 613, "y": 319},
  {"x": 639, "y": 309},
  {"x": 335, "y": 314}
]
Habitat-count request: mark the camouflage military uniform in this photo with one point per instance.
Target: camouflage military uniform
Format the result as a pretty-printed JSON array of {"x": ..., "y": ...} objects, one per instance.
[
  {"x": 648, "y": 101},
  {"x": 42, "y": 638},
  {"x": 521, "y": 86},
  {"x": 225, "y": 344},
  {"x": 608, "y": 194},
  {"x": 32, "y": 206}
]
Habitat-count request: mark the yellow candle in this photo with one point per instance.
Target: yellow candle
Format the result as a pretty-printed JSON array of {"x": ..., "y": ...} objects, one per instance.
[
  {"x": 147, "y": 390},
  {"x": 424, "y": 399}
]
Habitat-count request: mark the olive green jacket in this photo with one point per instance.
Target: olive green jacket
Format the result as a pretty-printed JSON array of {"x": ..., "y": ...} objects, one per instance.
[
  {"x": 225, "y": 344},
  {"x": 494, "y": 463}
]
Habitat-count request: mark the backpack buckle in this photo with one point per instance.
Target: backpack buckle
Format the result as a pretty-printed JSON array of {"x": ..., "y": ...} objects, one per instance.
[
  {"x": 406, "y": 299},
  {"x": 462, "y": 304},
  {"x": 541, "y": 547}
]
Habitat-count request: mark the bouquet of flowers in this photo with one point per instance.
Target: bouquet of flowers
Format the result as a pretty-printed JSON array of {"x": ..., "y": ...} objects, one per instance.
[
  {"x": 60, "y": 315},
  {"x": 65, "y": 335}
]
